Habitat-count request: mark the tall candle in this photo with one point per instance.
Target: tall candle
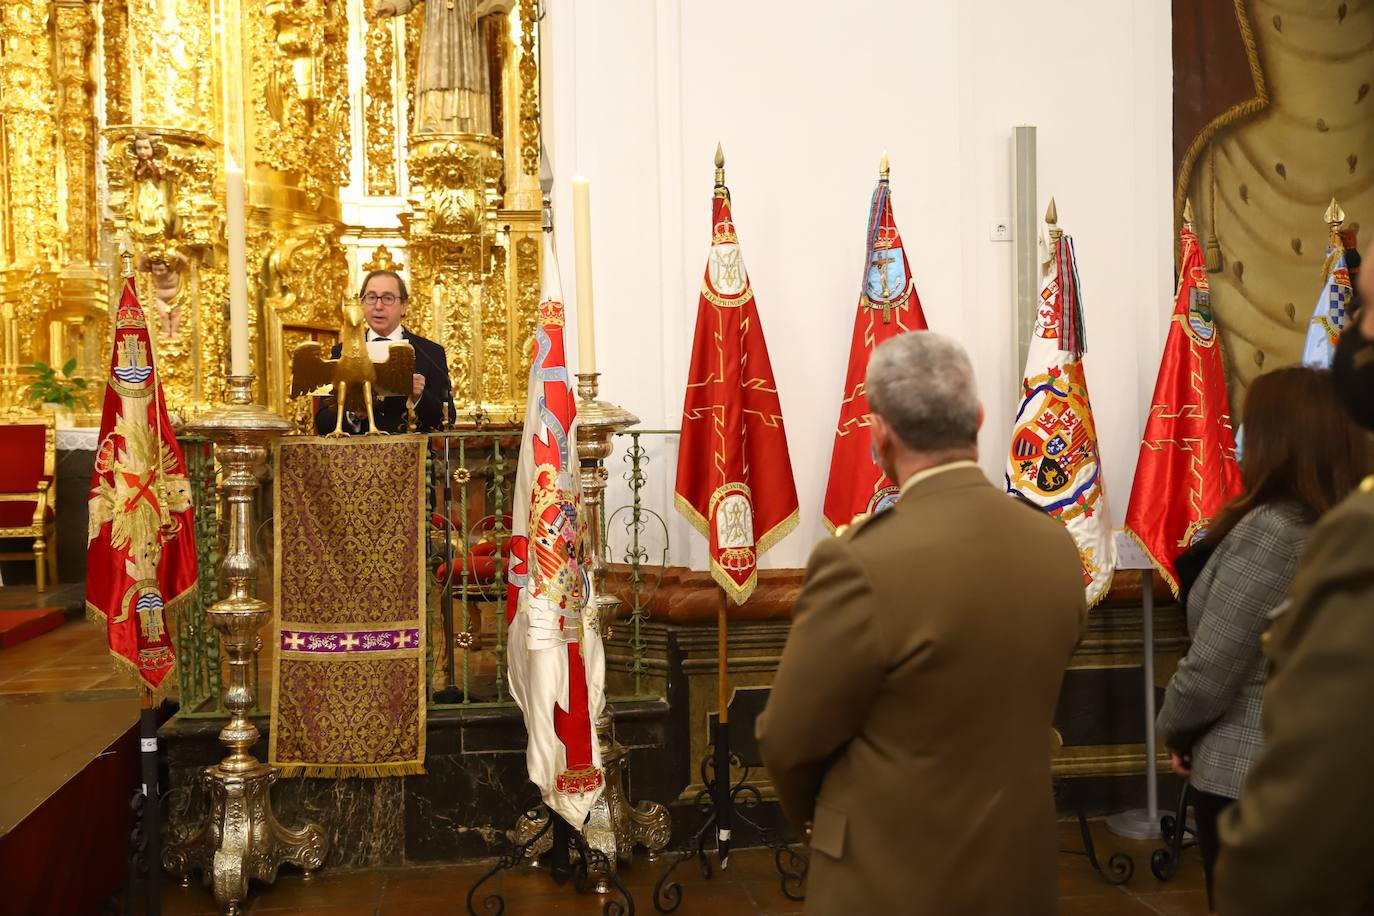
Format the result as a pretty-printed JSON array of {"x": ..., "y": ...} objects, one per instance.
[
  {"x": 582, "y": 242},
  {"x": 239, "y": 361}
]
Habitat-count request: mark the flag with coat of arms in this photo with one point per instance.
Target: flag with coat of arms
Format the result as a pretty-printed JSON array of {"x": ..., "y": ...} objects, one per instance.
[
  {"x": 141, "y": 548},
  {"x": 734, "y": 477},
  {"x": 1333, "y": 302},
  {"x": 555, "y": 658},
  {"x": 1054, "y": 462},
  {"x": 1187, "y": 467},
  {"x": 888, "y": 306}
]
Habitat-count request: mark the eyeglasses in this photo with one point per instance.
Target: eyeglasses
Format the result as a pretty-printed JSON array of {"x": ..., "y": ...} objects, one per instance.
[{"x": 383, "y": 298}]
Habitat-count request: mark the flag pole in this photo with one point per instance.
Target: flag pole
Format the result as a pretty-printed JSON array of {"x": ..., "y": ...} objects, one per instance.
[
  {"x": 151, "y": 808},
  {"x": 721, "y": 739}
]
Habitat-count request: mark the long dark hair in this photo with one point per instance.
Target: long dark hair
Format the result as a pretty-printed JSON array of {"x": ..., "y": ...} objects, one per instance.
[{"x": 1300, "y": 447}]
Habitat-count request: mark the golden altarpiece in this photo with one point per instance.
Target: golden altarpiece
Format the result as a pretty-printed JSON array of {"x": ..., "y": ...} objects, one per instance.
[{"x": 119, "y": 118}]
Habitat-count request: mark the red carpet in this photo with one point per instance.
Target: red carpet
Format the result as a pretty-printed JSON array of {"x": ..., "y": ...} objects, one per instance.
[{"x": 21, "y": 626}]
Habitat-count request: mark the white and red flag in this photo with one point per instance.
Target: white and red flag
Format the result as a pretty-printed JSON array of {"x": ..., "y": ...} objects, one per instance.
[
  {"x": 734, "y": 478},
  {"x": 141, "y": 548},
  {"x": 556, "y": 662}
]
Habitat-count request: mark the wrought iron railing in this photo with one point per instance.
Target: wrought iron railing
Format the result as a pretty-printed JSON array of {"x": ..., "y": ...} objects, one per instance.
[{"x": 470, "y": 481}]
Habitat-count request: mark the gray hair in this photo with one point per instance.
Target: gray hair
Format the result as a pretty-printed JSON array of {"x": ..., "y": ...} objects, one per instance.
[{"x": 922, "y": 385}]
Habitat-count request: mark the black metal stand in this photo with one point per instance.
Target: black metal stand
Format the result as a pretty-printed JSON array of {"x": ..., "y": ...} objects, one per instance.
[
  {"x": 145, "y": 836},
  {"x": 1120, "y": 866},
  {"x": 1174, "y": 829},
  {"x": 570, "y": 858},
  {"x": 722, "y": 802}
]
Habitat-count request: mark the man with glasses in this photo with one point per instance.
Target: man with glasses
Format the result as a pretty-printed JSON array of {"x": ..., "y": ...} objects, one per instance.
[{"x": 385, "y": 302}]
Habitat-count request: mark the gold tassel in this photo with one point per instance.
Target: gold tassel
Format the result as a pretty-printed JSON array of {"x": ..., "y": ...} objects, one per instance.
[{"x": 1211, "y": 251}]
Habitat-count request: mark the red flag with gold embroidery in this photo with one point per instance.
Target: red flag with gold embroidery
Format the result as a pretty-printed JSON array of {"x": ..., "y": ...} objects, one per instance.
[
  {"x": 1187, "y": 467},
  {"x": 141, "y": 549},
  {"x": 734, "y": 477},
  {"x": 888, "y": 306}
]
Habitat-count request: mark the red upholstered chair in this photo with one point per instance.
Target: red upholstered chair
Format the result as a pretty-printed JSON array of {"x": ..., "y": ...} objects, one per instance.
[{"x": 28, "y": 488}]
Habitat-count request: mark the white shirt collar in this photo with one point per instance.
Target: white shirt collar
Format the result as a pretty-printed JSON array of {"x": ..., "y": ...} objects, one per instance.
[{"x": 398, "y": 334}]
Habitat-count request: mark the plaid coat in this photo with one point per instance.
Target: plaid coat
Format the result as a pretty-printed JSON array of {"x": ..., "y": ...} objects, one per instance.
[{"x": 1213, "y": 706}]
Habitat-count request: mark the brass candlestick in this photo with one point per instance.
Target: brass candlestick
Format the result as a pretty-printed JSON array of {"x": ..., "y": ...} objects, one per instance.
[
  {"x": 615, "y": 826},
  {"x": 240, "y": 839}
]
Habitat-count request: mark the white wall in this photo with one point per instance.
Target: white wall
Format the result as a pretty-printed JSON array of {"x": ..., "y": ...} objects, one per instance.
[{"x": 805, "y": 96}]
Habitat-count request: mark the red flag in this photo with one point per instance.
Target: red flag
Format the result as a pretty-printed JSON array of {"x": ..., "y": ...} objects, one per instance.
[
  {"x": 888, "y": 306},
  {"x": 141, "y": 552},
  {"x": 734, "y": 478},
  {"x": 1187, "y": 468}
]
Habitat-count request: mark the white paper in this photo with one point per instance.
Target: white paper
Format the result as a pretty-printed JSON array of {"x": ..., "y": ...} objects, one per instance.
[{"x": 1128, "y": 553}]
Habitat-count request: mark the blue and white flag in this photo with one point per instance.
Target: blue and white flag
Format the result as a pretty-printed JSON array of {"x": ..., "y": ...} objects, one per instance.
[{"x": 1330, "y": 315}]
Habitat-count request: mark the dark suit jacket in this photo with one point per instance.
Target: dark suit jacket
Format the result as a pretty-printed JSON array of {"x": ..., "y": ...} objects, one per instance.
[
  {"x": 911, "y": 715},
  {"x": 1298, "y": 842},
  {"x": 432, "y": 363}
]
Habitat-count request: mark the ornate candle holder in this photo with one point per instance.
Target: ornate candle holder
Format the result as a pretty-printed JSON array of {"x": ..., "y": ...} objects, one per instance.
[
  {"x": 616, "y": 826},
  {"x": 240, "y": 838}
]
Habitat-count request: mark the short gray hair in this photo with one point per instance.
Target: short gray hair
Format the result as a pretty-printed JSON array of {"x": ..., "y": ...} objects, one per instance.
[{"x": 922, "y": 385}]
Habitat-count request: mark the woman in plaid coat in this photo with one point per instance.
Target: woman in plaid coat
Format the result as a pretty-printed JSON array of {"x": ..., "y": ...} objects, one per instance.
[{"x": 1302, "y": 456}]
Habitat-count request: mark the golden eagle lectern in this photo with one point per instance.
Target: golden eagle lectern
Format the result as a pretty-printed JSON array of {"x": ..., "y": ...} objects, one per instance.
[{"x": 356, "y": 377}]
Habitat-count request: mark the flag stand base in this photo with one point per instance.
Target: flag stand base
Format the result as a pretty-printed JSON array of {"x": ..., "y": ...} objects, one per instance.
[
  {"x": 723, "y": 803},
  {"x": 570, "y": 858},
  {"x": 241, "y": 839}
]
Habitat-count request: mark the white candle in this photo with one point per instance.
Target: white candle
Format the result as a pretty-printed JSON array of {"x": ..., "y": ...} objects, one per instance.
[
  {"x": 582, "y": 242},
  {"x": 239, "y": 361}
]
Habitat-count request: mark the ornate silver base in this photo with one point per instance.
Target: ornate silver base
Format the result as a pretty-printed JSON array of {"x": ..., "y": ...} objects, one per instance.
[
  {"x": 241, "y": 839},
  {"x": 615, "y": 826}
]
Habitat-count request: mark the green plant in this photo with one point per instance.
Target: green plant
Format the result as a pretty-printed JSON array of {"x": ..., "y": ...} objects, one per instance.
[{"x": 48, "y": 387}]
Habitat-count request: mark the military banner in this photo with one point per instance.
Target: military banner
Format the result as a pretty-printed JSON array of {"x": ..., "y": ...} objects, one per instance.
[
  {"x": 1054, "y": 460},
  {"x": 734, "y": 476},
  {"x": 1187, "y": 467},
  {"x": 141, "y": 549},
  {"x": 1333, "y": 302},
  {"x": 888, "y": 306},
  {"x": 556, "y": 660}
]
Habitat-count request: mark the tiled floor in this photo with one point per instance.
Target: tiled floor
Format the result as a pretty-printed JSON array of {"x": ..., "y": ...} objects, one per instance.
[{"x": 750, "y": 886}]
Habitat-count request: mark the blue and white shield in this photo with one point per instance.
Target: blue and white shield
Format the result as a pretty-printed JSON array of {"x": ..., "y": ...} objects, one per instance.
[{"x": 887, "y": 276}]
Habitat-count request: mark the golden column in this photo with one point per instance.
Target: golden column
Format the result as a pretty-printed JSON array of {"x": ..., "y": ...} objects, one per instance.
[{"x": 29, "y": 242}]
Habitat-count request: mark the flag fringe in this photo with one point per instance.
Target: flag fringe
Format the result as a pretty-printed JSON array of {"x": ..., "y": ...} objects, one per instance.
[
  {"x": 355, "y": 770},
  {"x": 1154, "y": 561}
]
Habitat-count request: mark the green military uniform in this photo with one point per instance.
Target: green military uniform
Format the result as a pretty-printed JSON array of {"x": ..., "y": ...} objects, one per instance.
[{"x": 1300, "y": 839}]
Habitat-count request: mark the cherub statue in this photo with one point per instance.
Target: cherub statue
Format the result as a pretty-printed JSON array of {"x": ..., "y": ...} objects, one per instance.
[
  {"x": 150, "y": 203},
  {"x": 452, "y": 79},
  {"x": 166, "y": 268}
]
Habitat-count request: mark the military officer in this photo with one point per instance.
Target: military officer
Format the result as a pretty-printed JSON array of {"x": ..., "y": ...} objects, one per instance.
[{"x": 909, "y": 723}]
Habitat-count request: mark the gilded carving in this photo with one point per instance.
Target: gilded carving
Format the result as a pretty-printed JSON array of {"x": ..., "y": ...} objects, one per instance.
[
  {"x": 26, "y": 104},
  {"x": 527, "y": 290},
  {"x": 115, "y": 28},
  {"x": 171, "y": 62},
  {"x": 379, "y": 110},
  {"x": 496, "y": 390},
  {"x": 299, "y": 52},
  {"x": 529, "y": 88},
  {"x": 75, "y": 30},
  {"x": 382, "y": 259}
]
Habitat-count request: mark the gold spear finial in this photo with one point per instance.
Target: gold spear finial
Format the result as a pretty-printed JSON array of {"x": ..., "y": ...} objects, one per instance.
[
  {"x": 126, "y": 262},
  {"x": 1188, "y": 212},
  {"x": 884, "y": 167},
  {"x": 1334, "y": 214},
  {"x": 1052, "y": 218},
  {"x": 720, "y": 165}
]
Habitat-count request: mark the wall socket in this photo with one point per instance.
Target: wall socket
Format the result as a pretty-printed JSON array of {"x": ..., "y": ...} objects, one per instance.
[{"x": 1000, "y": 230}]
